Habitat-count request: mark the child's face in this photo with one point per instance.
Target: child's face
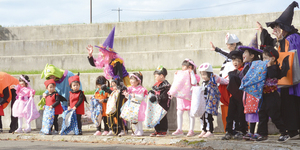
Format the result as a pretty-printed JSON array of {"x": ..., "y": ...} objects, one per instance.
[
  {"x": 114, "y": 86},
  {"x": 22, "y": 83},
  {"x": 266, "y": 57},
  {"x": 237, "y": 63},
  {"x": 134, "y": 82},
  {"x": 247, "y": 57},
  {"x": 186, "y": 68},
  {"x": 51, "y": 88},
  {"x": 99, "y": 86},
  {"x": 231, "y": 47},
  {"x": 204, "y": 76},
  {"x": 159, "y": 78},
  {"x": 52, "y": 77},
  {"x": 75, "y": 86}
]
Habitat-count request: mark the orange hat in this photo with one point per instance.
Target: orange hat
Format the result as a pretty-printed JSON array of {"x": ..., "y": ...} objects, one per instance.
[
  {"x": 50, "y": 81},
  {"x": 73, "y": 78}
]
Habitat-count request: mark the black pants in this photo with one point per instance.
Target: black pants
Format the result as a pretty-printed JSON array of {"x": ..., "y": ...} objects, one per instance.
[
  {"x": 14, "y": 120},
  {"x": 163, "y": 125},
  {"x": 236, "y": 113},
  {"x": 79, "y": 122},
  {"x": 0, "y": 122},
  {"x": 55, "y": 123},
  {"x": 106, "y": 128},
  {"x": 270, "y": 107},
  {"x": 208, "y": 118},
  {"x": 252, "y": 127}
]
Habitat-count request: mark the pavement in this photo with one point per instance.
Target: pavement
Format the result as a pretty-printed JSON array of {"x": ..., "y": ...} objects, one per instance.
[{"x": 167, "y": 141}]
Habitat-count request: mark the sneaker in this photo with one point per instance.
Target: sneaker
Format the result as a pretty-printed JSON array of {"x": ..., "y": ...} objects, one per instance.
[
  {"x": 201, "y": 134},
  {"x": 161, "y": 134},
  {"x": 80, "y": 133},
  {"x": 262, "y": 138},
  {"x": 227, "y": 136},
  {"x": 283, "y": 138},
  {"x": 153, "y": 134},
  {"x": 208, "y": 134},
  {"x": 247, "y": 136},
  {"x": 55, "y": 132},
  {"x": 190, "y": 133},
  {"x": 110, "y": 133},
  {"x": 122, "y": 133},
  {"x": 28, "y": 130},
  {"x": 254, "y": 137},
  {"x": 105, "y": 133},
  {"x": 19, "y": 130},
  {"x": 97, "y": 133},
  {"x": 177, "y": 132},
  {"x": 1, "y": 130},
  {"x": 239, "y": 136}
]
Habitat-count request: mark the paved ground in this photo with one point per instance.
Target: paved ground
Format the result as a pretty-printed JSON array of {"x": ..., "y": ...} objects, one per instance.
[{"x": 34, "y": 140}]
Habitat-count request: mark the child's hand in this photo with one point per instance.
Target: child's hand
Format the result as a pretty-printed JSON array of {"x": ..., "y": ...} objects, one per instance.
[
  {"x": 90, "y": 50},
  {"x": 259, "y": 26},
  {"x": 176, "y": 72},
  {"x": 212, "y": 46},
  {"x": 125, "y": 93},
  {"x": 101, "y": 101},
  {"x": 91, "y": 97},
  {"x": 69, "y": 108},
  {"x": 44, "y": 95},
  {"x": 133, "y": 95},
  {"x": 12, "y": 86},
  {"x": 74, "y": 108},
  {"x": 51, "y": 107}
]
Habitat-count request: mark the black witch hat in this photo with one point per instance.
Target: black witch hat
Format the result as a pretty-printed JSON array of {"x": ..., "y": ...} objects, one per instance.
[{"x": 286, "y": 18}]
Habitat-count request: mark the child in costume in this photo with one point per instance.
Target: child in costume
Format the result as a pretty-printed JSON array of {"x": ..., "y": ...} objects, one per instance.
[
  {"x": 206, "y": 72},
  {"x": 270, "y": 103},
  {"x": 101, "y": 96},
  {"x": 76, "y": 100},
  {"x": 108, "y": 59},
  {"x": 8, "y": 95},
  {"x": 138, "y": 92},
  {"x": 185, "y": 104},
  {"x": 21, "y": 108},
  {"x": 116, "y": 124},
  {"x": 61, "y": 80},
  {"x": 232, "y": 42},
  {"x": 160, "y": 94},
  {"x": 251, "y": 53},
  {"x": 53, "y": 100},
  {"x": 235, "y": 107}
]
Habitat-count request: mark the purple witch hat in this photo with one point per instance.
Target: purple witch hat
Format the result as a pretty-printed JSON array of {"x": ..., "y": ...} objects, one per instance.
[
  {"x": 253, "y": 46},
  {"x": 108, "y": 43}
]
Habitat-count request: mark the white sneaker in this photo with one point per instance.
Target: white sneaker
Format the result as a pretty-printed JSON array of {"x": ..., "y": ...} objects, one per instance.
[
  {"x": 139, "y": 133},
  {"x": 122, "y": 133},
  {"x": 110, "y": 133},
  {"x": 54, "y": 132},
  {"x": 19, "y": 130}
]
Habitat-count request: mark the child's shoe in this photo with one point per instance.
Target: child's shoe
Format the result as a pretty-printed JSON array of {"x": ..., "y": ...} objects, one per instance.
[
  {"x": 161, "y": 134},
  {"x": 110, "y": 133},
  {"x": 227, "y": 136},
  {"x": 1, "y": 130},
  {"x": 55, "y": 132},
  {"x": 262, "y": 138},
  {"x": 97, "y": 133},
  {"x": 201, "y": 134},
  {"x": 28, "y": 130},
  {"x": 283, "y": 138},
  {"x": 19, "y": 130},
  {"x": 238, "y": 136},
  {"x": 153, "y": 134},
  {"x": 190, "y": 133},
  {"x": 122, "y": 133},
  {"x": 139, "y": 133},
  {"x": 208, "y": 135},
  {"x": 177, "y": 133},
  {"x": 254, "y": 137},
  {"x": 247, "y": 136},
  {"x": 105, "y": 133}
]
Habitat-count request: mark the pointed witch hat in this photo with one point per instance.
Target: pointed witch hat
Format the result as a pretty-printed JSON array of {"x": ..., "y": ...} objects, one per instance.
[
  {"x": 285, "y": 19},
  {"x": 108, "y": 43}
]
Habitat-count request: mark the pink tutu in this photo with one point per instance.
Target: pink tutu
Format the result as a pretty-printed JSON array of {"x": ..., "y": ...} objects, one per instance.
[
  {"x": 142, "y": 110},
  {"x": 18, "y": 108},
  {"x": 183, "y": 104}
]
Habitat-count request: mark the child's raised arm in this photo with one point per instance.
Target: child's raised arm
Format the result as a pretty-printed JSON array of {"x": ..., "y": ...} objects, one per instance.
[{"x": 221, "y": 80}]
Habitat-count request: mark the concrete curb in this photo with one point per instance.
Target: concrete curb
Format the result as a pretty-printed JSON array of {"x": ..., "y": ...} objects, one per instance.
[{"x": 214, "y": 143}]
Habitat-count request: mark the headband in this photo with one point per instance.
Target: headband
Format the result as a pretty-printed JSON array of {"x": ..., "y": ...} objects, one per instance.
[
  {"x": 25, "y": 80},
  {"x": 190, "y": 61},
  {"x": 132, "y": 75}
]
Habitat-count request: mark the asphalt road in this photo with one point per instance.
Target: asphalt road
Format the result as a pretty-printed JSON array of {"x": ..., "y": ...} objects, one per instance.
[{"x": 46, "y": 145}]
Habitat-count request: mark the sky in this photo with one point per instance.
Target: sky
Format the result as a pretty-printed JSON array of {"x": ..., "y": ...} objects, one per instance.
[{"x": 56, "y": 12}]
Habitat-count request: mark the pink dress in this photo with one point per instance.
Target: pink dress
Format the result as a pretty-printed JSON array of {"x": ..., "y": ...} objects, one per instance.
[
  {"x": 183, "y": 104},
  {"x": 23, "y": 95},
  {"x": 140, "y": 94}
]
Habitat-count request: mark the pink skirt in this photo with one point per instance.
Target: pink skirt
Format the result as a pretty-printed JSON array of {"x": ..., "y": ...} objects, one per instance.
[
  {"x": 183, "y": 104},
  {"x": 142, "y": 110},
  {"x": 18, "y": 108}
]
